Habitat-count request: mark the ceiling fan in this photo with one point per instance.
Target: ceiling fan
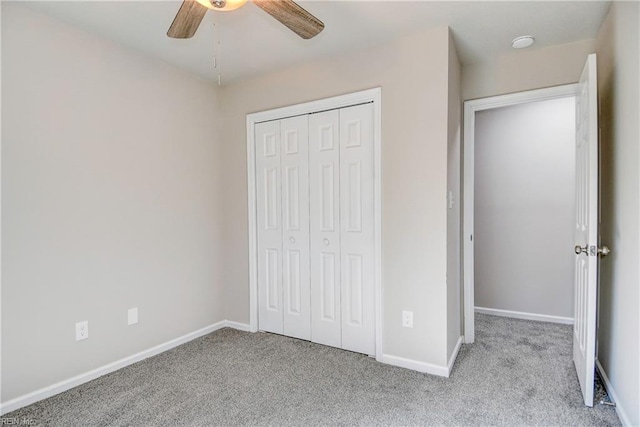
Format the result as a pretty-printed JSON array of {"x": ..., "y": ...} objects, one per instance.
[{"x": 288, "y": 12}]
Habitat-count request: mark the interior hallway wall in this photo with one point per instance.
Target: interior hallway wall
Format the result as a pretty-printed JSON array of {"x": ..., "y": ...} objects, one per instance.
[
  {"x": 524, "y": 207},
  {"x": 110, "y": 200}
]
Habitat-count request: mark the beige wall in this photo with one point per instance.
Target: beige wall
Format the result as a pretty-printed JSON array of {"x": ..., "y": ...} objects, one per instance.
[
  {"x": 413, "y": 74},
  {"x": 454, "y": 282},
  {"x": 619, "y": 324},
  {"x": 110, "y": 175},
  {"x": 526, "y": 69}
]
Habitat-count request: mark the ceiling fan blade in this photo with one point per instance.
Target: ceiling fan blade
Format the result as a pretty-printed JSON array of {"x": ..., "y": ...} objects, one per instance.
[
  {"x": 187, "y": 20},
  {"x": 292, "y": 16}
]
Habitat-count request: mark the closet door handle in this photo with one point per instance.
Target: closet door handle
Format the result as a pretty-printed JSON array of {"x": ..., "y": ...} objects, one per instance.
[
  {"x": 326, "y": 242},
  {"x": 292, "y": 239}
]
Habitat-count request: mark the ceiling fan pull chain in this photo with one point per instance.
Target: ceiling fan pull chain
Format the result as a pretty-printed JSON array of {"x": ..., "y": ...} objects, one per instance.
[
  {"x": 219, "y": 62},
  {"x": 217, "y": 49},
  {"x": 219, "y": 65},
  {"x": 215, "y": 43}
]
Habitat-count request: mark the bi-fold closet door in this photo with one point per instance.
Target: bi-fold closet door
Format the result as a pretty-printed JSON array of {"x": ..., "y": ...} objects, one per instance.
[
  {"x": 282, "y": 183},
  {"x": 315, "y": 212}
]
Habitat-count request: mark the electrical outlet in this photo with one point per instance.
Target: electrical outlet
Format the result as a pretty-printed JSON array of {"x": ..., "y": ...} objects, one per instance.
[
  {"x": 132, "y": 316},
  {"x": 407, "y": 319},
  {"x": 82, "y": 330}
]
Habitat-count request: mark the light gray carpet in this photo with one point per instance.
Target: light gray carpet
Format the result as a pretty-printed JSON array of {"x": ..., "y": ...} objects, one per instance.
[{"x": 517, "y": 373}]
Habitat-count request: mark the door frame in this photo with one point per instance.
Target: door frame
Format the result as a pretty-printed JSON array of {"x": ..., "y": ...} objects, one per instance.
[
  {"x": 470, "y": 109},
  {"x": 373, "y": 95}
]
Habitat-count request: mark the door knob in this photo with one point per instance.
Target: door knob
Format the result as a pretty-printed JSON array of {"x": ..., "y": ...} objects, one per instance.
[
  {"x": 326, "y": 242},
  {"x": 603, "y": 251},
  {"x": 292, "y": 239},
  {"x": 580, "y": 250}
]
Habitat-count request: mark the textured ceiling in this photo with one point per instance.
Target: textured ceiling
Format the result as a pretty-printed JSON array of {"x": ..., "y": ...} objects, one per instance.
[{"x": 252, "y": 42}]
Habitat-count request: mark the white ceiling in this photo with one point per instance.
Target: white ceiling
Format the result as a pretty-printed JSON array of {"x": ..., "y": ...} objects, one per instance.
[{"x": 253, "y": 43}]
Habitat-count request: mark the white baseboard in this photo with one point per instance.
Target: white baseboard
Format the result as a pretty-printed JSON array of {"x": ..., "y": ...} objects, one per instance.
[
  {"x": 70, "y": 383},
  {"x": 245, "y": 327},
  {"x": 452, "y": 359},
  {"x": 427, "y": 368},
  {"x": 524, "y": 315},
  {"x": 622, "y": 414}
]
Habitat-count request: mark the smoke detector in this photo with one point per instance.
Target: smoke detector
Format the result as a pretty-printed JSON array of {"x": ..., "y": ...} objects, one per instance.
[{"x": 522, "y": 42}]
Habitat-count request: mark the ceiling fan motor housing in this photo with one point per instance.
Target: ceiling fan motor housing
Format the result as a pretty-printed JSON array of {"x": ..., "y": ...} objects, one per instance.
[{"x": 287, "y": 12}]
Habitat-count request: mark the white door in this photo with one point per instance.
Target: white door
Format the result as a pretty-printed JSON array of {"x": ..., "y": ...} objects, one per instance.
[
  {"x": 282, "y": 183},
  {"x": 324, "y": 182},
  {"x": 342, "y": 228},
  {"x": 586, "y": 229},
  {"x": 269, "y": 226},
  {"x": 357, "y": 228},
  {"x": 295, "y": 226},
  {"x": 315, "y": 217}
]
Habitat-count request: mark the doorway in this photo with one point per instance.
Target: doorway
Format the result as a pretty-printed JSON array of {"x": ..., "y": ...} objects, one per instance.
[{"x": 516, "y": 201}]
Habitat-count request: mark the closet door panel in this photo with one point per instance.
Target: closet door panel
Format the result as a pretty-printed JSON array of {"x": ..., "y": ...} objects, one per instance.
[
  {"x": 295, "y": 218},
  {"x": 269, "y": 221},
  {"x": 324, "y": 181},
  {"x": 357, "y": 228}
]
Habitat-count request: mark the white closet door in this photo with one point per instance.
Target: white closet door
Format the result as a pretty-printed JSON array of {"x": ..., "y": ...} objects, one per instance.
[
  {"x": 357, "y": 228},
  {"x": 295, "y": 224},
  {"x": 269, "y": 216},
  {"x": 324, "y": 180}
]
